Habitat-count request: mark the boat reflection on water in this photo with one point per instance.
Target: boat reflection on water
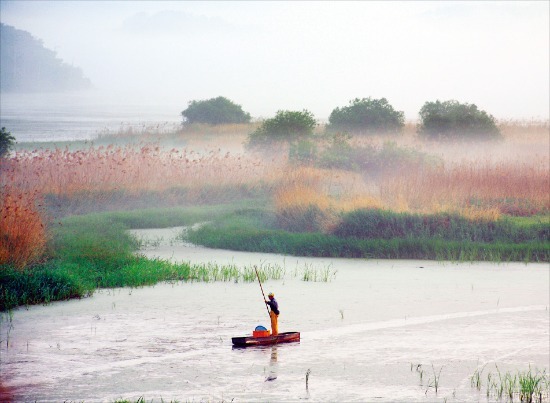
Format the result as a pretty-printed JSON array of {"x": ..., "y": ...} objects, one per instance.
[{"x": 272, "y": 365}]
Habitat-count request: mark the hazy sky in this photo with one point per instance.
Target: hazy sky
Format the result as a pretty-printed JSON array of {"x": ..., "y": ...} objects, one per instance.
[{"x": 268, "y": 56}]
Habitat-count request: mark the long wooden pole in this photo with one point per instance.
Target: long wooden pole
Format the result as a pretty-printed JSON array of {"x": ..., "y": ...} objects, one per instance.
[{"x": 261, "y": 288}]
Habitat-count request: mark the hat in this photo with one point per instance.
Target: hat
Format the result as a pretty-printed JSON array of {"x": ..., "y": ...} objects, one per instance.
[{"x": 270, "y": 294}]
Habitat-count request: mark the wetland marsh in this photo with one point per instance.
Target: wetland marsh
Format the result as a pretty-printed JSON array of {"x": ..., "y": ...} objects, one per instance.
[{"x": 363, "y": 330}]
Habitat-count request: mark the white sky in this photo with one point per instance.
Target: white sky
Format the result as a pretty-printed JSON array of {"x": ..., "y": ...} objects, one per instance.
[{"x": 268, "y": 56}]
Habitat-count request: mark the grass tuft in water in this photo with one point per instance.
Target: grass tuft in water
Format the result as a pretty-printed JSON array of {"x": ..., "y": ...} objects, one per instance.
[{"x": 526, "y": 386}]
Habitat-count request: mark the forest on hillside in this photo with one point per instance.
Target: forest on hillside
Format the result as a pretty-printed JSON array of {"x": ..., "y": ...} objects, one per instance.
[{"x": 27, "y": 66}]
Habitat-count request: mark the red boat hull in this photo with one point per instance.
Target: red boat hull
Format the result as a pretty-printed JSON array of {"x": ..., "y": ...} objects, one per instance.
[{"x": 249, "y": 341}]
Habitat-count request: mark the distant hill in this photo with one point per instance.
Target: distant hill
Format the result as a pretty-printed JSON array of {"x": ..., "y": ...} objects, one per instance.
[{"x": 27, "y": 66}]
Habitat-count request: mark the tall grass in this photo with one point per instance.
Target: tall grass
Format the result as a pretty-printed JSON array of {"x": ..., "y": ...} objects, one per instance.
[
  {"x": 229, "y": 233},
  {"x": 380, "y": 224},
  {"x": 511, "y": 188},
  {"x": 96, "y": 251},
  {"x": 478, "y": 182},
  {"x": 22, "y": 229},
  {"x": 100, "y": 178},
  {"x": 132, "y": 169}
]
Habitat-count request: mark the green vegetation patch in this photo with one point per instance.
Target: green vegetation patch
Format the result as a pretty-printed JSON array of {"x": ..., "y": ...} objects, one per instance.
[
  {"x": 95, "y": 251},
  {"x": 439, "y": 237},
  {"x": 215, "y": 111},
  {"x": 452, "y": 120},
  {"x": 116, "y": 200},
  {"x": 380, "y": 224},
  {"x": 286, "y": 126},
  {"x": 367, "y": 115}
]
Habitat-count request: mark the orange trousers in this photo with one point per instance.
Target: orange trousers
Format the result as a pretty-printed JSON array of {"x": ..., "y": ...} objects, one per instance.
[{"x": 274, "y": 323}]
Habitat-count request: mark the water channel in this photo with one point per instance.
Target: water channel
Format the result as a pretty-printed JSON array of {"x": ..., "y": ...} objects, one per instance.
[{"x": 364, "y": 333}]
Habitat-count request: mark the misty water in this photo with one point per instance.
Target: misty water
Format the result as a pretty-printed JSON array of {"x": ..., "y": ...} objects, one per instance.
[
  {"x": 363, "y": 333},
  {"x": 81, "y": 116}
]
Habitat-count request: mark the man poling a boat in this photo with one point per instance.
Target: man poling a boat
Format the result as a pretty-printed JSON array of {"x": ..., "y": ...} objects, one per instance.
[
  {"x": 273, "y": 313},
  {"x": 267, "y": 339}
]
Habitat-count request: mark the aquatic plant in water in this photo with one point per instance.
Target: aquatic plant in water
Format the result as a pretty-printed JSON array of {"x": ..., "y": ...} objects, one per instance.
[{"x": 528, "y": 386}]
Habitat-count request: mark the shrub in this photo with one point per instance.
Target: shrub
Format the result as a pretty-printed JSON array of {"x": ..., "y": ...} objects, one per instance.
[
  {"x": 215, "y": 111},
  {"x": 286, "y": 126},
  {"x": 373, "y": 160},
  {"x": 6, "y": 142},
  {"x": 339, "y": 153},
  {"x": 453, "y": 120},
  {"x": 367, "y": 115},
  {"x": 303, "y": 152},
  {"x": 391, "y": 158}
]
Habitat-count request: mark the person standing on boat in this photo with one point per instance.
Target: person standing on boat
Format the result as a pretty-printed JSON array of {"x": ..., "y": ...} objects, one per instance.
[{"x": 273, "y": 313}]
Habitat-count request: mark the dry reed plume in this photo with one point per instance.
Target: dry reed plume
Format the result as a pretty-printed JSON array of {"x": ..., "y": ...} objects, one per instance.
[
  {"x": 477, "y": 181},
  {"x": 27, "y": 176},
  {"x": 22, "y": 231},
  {"x": 506, "y": 188},
  {"x": 328, "y": 192},
  {"x": 65, "y": 172}
]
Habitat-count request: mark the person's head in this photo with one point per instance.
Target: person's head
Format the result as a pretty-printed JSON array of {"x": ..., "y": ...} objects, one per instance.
[{"x": 271, "y": 295}]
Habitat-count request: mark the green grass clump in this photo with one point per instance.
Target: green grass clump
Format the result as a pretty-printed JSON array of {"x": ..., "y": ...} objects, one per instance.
[
  {"x": 42, "y": 284},
  {"x": 380, "y": 224},
  {"x": 61, "y": 280},
  {"x": 96, "y": 251},
  {"x": 525, "y": 386},
  {"x": 260, "y": 235}
]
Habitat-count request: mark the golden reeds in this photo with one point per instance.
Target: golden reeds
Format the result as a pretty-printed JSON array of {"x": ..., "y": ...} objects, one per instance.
[
  {"x": 65, "y": 172},
  {"x": 22, "y": 231},
  {"x": 479, "y": 181},
  {"x": 507, "y": 187}
]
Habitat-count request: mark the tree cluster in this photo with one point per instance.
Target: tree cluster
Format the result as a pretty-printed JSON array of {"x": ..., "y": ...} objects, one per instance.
[
  {"x": 215, "y": 111},
  {"x": 367, "y": 115},
  {"x": 286, "y": 126},
  {"x": 6, "y": 142},
  {"x": 453, "y": 120}
]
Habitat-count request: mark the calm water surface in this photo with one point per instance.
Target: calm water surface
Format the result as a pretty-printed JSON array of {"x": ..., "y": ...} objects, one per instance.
[
  {"x": 361, "y": 332},
  {"x": 80, "y": 116}
]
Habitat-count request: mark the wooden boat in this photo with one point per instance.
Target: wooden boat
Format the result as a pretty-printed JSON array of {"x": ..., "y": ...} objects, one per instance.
[{"x": 248, "y": 341}]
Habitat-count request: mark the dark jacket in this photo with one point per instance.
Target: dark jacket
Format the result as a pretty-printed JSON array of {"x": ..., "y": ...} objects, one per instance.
[{"x": 273, "y": 305}]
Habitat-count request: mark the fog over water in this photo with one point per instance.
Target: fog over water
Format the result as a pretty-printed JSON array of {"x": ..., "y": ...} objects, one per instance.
[
  {"x": 372, "y": 323},
  {"x": 268, "y": 56},
  {"x": 80, "y": 116}
]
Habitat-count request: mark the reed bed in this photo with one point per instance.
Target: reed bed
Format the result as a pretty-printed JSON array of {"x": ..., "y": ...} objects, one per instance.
[
  {"x": 510, "y": 188},
  {"x": 131, "y": 169},
  {"x": 481, "y": 182},
  {"x": 521, "y": 140},
  {"x": 485, "y": 192},
  {"x": 23, "y": 234}
]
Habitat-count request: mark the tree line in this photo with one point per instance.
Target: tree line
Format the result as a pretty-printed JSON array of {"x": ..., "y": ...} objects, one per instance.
[{"x": 438, "y": 119}]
